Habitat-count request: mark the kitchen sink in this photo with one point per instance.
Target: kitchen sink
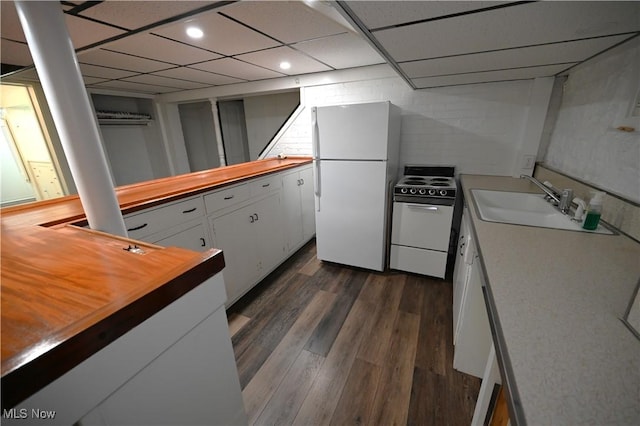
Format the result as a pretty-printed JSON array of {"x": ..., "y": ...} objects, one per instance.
[{"x": 521, "y": 208}]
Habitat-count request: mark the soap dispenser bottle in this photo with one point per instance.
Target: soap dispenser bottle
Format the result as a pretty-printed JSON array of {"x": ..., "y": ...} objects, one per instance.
[{"x": 594, "y": 210}]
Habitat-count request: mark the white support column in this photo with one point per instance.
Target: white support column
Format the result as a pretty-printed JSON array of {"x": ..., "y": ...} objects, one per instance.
[
  {"x": 55, "y": 60},
  {"x": 218, "y": 129}
]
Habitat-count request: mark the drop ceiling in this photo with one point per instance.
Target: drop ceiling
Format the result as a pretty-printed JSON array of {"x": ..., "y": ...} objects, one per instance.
[{"x": 141, "y": 46}]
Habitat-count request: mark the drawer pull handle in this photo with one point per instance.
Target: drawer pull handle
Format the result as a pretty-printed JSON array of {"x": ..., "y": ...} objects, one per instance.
[
  {"x": 421, "y": 207},
  {"x": 190, "y": 210},
  {"x": 137, "y": 227},
  {"x": 251, "y": 219},
  {"x": 203, "y": 242},
  {"x": 228, "y": 197},
  {"x": 265, "y": 185},
  {"x": 462, "y": 249},
  {"x": 256, "y": 215},
  {"x": 301, "y": 181}
]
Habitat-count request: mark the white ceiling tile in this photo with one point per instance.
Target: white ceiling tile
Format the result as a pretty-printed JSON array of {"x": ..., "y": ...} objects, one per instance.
[
  {"x": 136, "y": 14},
  {"x": 84, "y": 32},
  {"x": 341, "y": 51},
  {"x": 522, "y": 25},
  {"x": 490, "y": 76},
  {"x": 240, "y": 69},
  {"x": 165, "y": 81},
  {"x": 221, "y": 34},
  {"x": 9, "y": 22},
  {"x": 271, "y": 59},
  {"x": 134, "y": 87},
  {"x": 121, "y": 61},
  {"x": 375, "y": 14},
  {"x": 15, "y": 53},
  {"x": 204, "y": 77},
  {"x": 154, "y": 47},
  {"x": 104, "y": 72},
  {"x": 286, "y": 21},
  {"x": 92, "y": 80},
  {"x": 574, "y": 51}
]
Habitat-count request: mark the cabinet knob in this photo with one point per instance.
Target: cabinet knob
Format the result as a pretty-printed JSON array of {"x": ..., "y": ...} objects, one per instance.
[
  {"x": 203, "y": 243},
  {"x": 256, "y": 215},
  {"x": 251, "y": 219}
]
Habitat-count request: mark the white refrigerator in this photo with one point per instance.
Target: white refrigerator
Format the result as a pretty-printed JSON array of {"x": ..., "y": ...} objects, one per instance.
[{"x": 355, "y": 158}]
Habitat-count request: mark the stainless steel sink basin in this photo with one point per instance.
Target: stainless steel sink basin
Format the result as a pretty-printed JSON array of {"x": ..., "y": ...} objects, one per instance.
[{"x": 521, "y": 208}]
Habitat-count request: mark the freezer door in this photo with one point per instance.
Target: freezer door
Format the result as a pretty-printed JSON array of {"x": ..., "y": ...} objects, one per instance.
[
  {"x": 352, "y": 132},
  {"x": 351, "y": 212}
]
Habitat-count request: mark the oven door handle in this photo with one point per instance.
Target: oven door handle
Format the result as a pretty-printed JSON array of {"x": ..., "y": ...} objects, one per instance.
[{"x": 423, "y": 207}]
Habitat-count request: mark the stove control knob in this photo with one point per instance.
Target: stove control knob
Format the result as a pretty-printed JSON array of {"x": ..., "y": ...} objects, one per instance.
[
  {"x": 403, "y": 190},
  {"x": 432, "y": 192},
  {"x": 422, "y": 191},
  {"x": 443, "y": 192},
  {"x": 412, "y": 190}
]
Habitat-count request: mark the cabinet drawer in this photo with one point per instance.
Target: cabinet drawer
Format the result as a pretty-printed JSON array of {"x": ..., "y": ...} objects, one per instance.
[
  {"x": 226, "y": 197},
  {"x": 140, "y": 225},
  {"x": 419, "y": 261},
  {"x": 265, "y": 185}
]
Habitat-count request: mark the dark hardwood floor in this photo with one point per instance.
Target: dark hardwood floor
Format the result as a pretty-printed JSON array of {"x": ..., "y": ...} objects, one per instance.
[{"x": 318, "y": 344}]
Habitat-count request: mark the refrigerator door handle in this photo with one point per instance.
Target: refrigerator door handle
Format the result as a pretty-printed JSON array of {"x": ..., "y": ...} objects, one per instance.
[
  {"x": 316, "y": 176},
  {"x": 315, "y": 133}
]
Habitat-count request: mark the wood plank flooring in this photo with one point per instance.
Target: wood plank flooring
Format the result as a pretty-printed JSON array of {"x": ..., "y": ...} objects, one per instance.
[{"x": 323, "y": 344}]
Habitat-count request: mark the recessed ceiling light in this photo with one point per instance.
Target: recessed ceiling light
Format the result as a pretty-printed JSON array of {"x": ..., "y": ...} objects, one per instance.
[
  {"x": 285, "y": 65},
  {"x": 194, "y": 32}
]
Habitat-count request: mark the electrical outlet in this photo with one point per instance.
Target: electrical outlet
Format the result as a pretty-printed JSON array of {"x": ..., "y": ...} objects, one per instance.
[{"x": 528, "y": 161}]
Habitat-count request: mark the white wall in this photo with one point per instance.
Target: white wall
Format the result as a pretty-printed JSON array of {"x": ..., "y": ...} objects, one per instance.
[
  {"x": 480, "y": 128},
  {"x": 598, "y": 97},
  {"x": 264, "y": 115}
]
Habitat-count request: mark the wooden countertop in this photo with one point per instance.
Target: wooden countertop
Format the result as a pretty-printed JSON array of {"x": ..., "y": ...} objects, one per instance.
[
  {"x": 67, "y": 292},
  {"x": 555, "y": 299}
]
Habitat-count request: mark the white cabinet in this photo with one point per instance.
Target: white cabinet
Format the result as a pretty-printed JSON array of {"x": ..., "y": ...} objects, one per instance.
[
  {"x": 257, "y": 223},
  {"x": 251, "y": 238},
  {"x": 176, "y": 367},
  {"x": 464, "y": 258},
  {"x": 177, "y": 224},
  {"x": 298, "y": 206},
  {"x": 472, "y": 335},
  {"x": 191, "y": 235}
]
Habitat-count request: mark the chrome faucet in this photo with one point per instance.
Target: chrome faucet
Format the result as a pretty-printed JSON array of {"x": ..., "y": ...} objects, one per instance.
[
  {"x": 550, "y": 193},
  {"x": 565, "y": 201}
]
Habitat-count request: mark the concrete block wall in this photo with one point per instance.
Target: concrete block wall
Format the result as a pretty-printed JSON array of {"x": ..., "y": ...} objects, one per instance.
[
  {"x": 598, "y": 97},
  {"x": 478, "y": 128}
]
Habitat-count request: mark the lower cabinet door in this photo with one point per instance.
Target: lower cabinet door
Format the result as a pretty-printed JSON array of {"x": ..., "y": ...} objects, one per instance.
[
  {"x": 474, "y": 335},
  {"x": 268, "y": 234},
  {"x": 233, "y": 234}
]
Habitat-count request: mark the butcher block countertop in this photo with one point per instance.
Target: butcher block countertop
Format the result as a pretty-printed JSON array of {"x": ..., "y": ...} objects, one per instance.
[
  {"x": 67, "y": 291},
  {"x": 555, "y": 299}
]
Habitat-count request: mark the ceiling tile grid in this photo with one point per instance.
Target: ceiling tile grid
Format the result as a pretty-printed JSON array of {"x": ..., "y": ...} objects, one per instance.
[{"x": 142, "y": 45}]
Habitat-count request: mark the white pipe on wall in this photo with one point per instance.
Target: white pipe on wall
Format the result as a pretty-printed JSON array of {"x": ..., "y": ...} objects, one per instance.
[
  {"x": 55, "y": 60},
  {"x": 218, "y": 131}
]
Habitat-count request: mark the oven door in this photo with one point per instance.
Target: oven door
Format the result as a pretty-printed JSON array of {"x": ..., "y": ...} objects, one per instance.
[{"x": 426, "y": 226}]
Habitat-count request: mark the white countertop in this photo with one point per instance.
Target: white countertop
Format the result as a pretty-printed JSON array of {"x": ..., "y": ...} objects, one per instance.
[{"x": 558, "y": 297}]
